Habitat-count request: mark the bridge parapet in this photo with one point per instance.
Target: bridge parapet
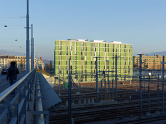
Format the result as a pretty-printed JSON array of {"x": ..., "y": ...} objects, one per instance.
[
  {"x": 46, "y": 100},
  {"x": 50, "y": 99},
  {"x": 31, "y": 90},
  {"x": 13, "y": 109}
]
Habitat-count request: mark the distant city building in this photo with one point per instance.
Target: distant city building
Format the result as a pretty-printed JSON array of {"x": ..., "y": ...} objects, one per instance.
[
  {"x": 20, "y": 61},
  {"x": 40, "y": 63},
  {"x": 82, "y": 54},
  {"x": 148, "y": 62}
]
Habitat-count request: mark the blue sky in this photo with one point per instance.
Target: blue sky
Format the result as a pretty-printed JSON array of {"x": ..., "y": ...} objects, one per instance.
[{"x": 141, "y": 23}]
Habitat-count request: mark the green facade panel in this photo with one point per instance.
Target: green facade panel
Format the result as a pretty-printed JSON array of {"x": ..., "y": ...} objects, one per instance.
[
  {"x": 56, "y": 47},
  {"x": 102, "y": 45},
  {"x": 64, "y": 43}
]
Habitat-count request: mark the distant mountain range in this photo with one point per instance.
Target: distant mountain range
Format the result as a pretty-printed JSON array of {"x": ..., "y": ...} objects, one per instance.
[
  {"x": 11, "y": 53},
  {"x": 163, "y": 53}
]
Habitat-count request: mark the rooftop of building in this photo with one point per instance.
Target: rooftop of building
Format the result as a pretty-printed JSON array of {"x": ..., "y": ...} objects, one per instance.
[
  {"x": 3, "y": 56},
  {"x": 17, "y": 57},
  {"x": 95, "y": 41},
  {"x": 158, "y": 56}
]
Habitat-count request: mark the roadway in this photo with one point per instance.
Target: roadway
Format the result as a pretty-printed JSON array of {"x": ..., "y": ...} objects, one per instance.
[{"x": 4, "y": 84}]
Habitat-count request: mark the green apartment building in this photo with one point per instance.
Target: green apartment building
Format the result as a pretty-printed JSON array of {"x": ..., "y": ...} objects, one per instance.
[{"x": 82, "y": 54}]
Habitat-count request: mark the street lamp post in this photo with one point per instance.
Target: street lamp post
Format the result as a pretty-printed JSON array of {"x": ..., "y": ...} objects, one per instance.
[{"x": 27, "y": 38}]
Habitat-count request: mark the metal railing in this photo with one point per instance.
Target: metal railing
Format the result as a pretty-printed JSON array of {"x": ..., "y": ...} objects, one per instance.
[{"x": 13, "y": 109}]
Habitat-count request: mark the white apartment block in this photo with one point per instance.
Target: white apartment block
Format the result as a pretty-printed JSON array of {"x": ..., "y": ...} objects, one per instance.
[{"x": 20, "y": 61}]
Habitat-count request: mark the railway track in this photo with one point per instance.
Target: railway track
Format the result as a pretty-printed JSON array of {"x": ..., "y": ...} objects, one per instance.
[
  {"x": 101, "y": 112},
  {"x": 126, "y": 107},
  {"x": 146, "y": 120}
]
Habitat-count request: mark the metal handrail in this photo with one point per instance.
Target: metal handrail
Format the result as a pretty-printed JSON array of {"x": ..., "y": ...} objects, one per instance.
[{"x": 13, "y": 87}]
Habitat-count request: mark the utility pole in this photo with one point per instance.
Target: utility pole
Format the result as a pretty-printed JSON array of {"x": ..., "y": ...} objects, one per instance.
[
  {"x": 96, "y": 80},
  {"x": 69, "y": 96},
  {"x": 27, "y": 38},
  {"x": 140, "y": 79},
  {"x": 116, "y": 76},
  {"x": 63, "y": 78},
  {"x": 163, "y": 83},
  {"x": 32, "y": 48},
  {"x": 59, "y": 79}
]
